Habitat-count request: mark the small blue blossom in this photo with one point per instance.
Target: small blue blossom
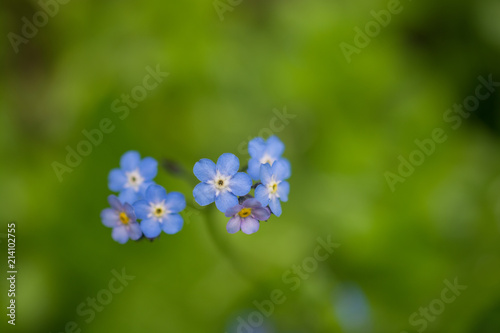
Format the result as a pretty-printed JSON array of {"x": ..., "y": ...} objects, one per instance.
[
  {"x": 262, "y": 152},
  {"x": 274, "y": 188},
  {"x": 133, "y": 177},
  {"x": 246, "y": 217},
  {"x": 160, "y": 211},
  {"x": 221, "y": 183},
  {"x": 122, "y": 219},
  {"x": 130, "y": 196}
]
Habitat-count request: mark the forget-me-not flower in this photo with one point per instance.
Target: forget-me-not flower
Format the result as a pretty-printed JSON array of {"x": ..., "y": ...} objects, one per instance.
[
  {"x": 130, "y": 196},
  {"x": 134, "y": 174},
  {"x": 246, "y": 217},
  {"x": 221, "y": 183},
  {"x": 263, "y": 152},
  {"x": 274, "y": 188},
  {"x": 160, "y": 211},
  {"x": 122, "y": 219}
]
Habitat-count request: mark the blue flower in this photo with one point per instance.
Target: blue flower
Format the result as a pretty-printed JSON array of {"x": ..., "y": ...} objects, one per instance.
[
  {"x": 262, "y": 152},
  {"x": 122, "y": 219},
  {"x": 134, "y": 176},
  {"x": 221, "y": 183},
  {"x": 129, "y": 196},
  {"x": 160, "y": 211},
  {"x": 274, "y": 188},
  {"x": 246, "y": 217}
]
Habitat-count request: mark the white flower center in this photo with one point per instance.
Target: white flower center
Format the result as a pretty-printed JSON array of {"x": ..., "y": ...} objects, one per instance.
[
  {"x": 220, "y": 182},
  {"x": 266, "y": 159},
  {"x": 158, "y": 210},
  {"x": 272, "y": 188},
  {"x": 135, "y": 180}
]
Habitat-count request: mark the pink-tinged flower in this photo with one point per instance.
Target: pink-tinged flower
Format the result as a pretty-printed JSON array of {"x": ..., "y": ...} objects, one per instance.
[
  {"x": 121, "y": 217},
  {"x": 246, "y": 217}
]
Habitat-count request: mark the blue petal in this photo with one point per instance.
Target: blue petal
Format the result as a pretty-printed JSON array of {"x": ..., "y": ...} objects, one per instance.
[
  {"x": 250, "y": 225},
  {"x": 150, "y": 228},
  {"x": 262, "y": 194},
  {"x": 256, "y": 148},
  {"x": 120, "y": 234},
  {"x": 129, "y": 210},
  {"x": 135, "y": 231},
  {"x": 252, "y": 203},
  {"x": 115, "y": 203},
  {"x": 226, "y": 200},
  {"x": 175, "y": 202},
  {"x": 233, "y": 210},
  {"x": 282, "y": 169},
  {"x": 142, "y": 209},
  {"x": 275, "y": 147},
  {"x": 240, "y": 184},
  {"x": 116, "y": 180},
  {"x": 275, "y": 206},
  {"x": 261, "y": 214},
  {"x": 110, "y": 218},
  {"x": 148, "y": 168},
  {"x": 283, "y": 191},
  {"x": 204, "y": 194},
  {"x": 228, "y": 164},
  {"x": 172, "y": 224},
  {"x": 130, "y": 161},
  {"x": 266, "y": 173},
  {"x": 143, "y": 188},
  {"x": 128, "y": 196},
  {"x": 234, "y": 224},
  {"x": 254, "y": 168},
  {"x": 204, "y": 170},
  {"x": 156, "y": 193}
]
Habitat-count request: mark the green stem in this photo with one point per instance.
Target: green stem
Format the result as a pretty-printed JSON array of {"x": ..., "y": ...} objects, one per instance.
[
  {"x": 177, "y": 170},
  {"x": 229, "y": 253}
]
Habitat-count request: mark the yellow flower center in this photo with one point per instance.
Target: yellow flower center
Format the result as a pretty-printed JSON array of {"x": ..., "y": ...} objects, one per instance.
[
  {"x": 274, "y": 188},
  {"x": 245, "y": 212},
  {"x": 124, "y": 218},
  {"x": 158, "y": 212}
]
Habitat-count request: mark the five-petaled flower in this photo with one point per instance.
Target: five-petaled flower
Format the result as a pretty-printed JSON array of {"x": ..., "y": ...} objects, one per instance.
[
  {"x": 143, "y": 208},
  {"x": 122, "y": 219},
  {"x": 160, "y": 211},
  {"x": 133, "y": 177},
  {"x": 221, "y": 183},
  {"x": 263, "y": 152},
  {"x": 274, "y": 188},
  {"x": 246, "y": 217}
]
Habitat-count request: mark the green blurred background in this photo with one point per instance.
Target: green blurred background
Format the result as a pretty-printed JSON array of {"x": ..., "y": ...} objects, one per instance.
[{"x": 228, "y": 79}]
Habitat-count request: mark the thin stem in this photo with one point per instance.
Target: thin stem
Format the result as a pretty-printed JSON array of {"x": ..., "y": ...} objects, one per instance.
[
  {"x": 254, "y": 186},
  {"x": 226, "y": 250},
  {"x": 177, "y": 170}
]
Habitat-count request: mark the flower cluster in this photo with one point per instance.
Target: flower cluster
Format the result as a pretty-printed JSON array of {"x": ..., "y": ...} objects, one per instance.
[
  {"x": 230, "y": 189},
  {"x": 142, "y": 208}
]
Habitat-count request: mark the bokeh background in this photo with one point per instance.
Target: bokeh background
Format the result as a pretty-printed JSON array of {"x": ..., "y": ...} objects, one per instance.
[{"x": 228, "y": 79}]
